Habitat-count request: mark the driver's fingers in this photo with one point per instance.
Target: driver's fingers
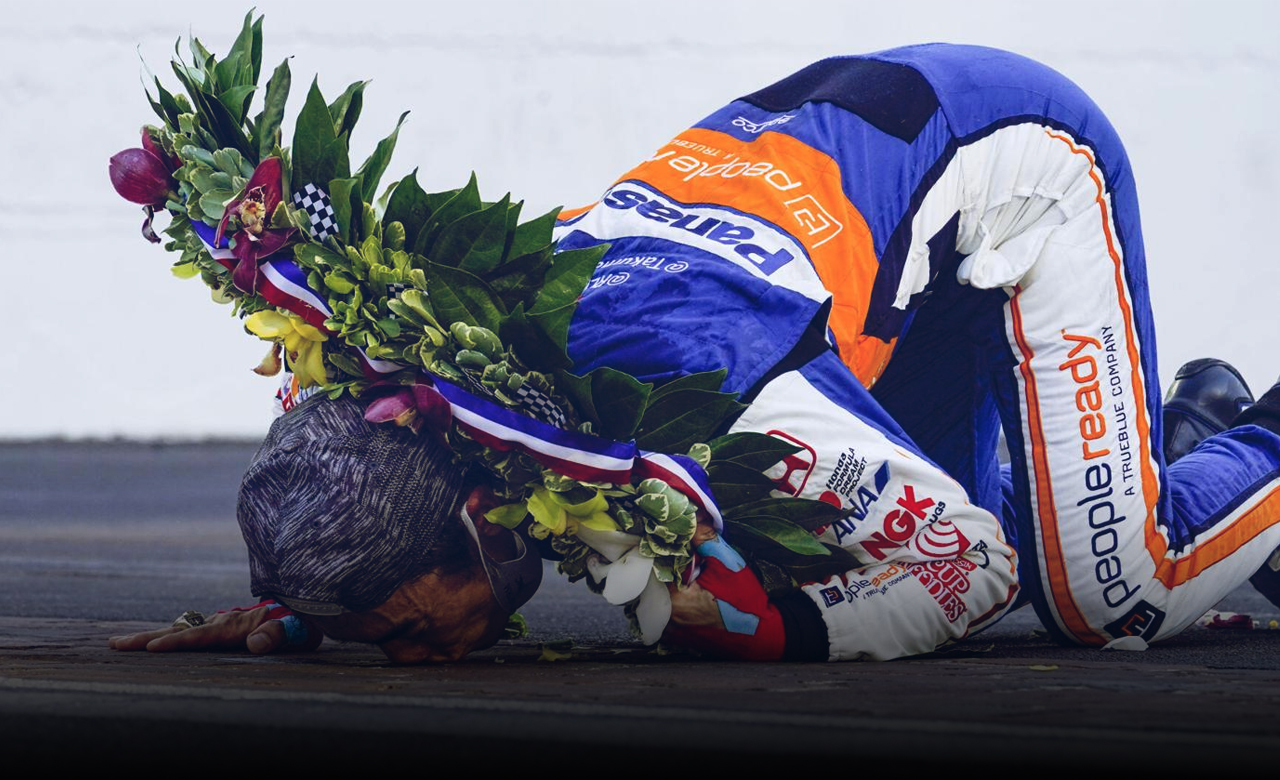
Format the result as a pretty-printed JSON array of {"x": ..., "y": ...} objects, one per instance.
[
  {"x": 289, "y": 633},
  {"x": 267, "y": 637},
  {"x": 225, "y": 631},
  {"x": 248, "y": 629},
  {"x": 208, "y": 636},
  {"x": 139, "y": 641},
  {"x": 705, "y": 532},
  {"x": 694, "y": 606}
]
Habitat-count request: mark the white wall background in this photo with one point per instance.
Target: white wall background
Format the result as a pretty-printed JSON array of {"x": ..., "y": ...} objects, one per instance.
[{"x": 552, "y": 100}]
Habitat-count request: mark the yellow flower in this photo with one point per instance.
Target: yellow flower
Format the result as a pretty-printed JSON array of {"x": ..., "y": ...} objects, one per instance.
[
  {"x": 553, "y": 513},
  {"x": 301, "y": 342}
]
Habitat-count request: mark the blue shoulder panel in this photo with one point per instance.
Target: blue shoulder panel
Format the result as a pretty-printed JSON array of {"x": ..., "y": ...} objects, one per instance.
[{"x": 660, "y": 310}]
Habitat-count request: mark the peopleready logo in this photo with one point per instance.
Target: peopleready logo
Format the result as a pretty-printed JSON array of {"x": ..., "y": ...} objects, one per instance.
[
  {"x": 720, "y": 231},
  {"x": 817, "y": 223}
]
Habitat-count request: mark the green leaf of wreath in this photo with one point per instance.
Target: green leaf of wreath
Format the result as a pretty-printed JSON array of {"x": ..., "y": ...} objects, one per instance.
[
  {"x": 763, "y": 554},
  {"x": 705, "y": 380},
  {"x": 316, "y": 257},
  {"x": 533, "y": 235},
  {"x": 312, "y": 136},
  {"x": 345, "y": 111},
  {"x": 237, "y": 68},
  {"x": 268, "y": 128},
  {"x": 680, "y": 419},
  {"x": 734, "y": 484},
  {"x": 757, "y": 451},
  {"x": 408, "y": 206},
  {"x": 165, "y": 105},
  {"x": 567, "y": 278},
  {"x": 578, "y": 390},
  {"x": 199, "y": 53},
  {"x": 459, "y": 204},
  {"x": 226, "y": 129},
  {"x": 340, "y": 195},
  {"x": 508, "y": 515},
  {"x": 509, "y": 235},
  {"x": 621, "y": 400},
  {"x": 475, "y": 241},
  {"x": 808, "y": 514},
  {"x": 371, "y": 171},
  {"x": 236, "y": 101},
  {"x": 613, "y": 401},
  {"x": 458, "y": 296},
  {"x": 255, "y": 50},
  {"x": 333, "y": 164},
  {"x": 534, "y": 348},
  {"x": 518, "y": 279},
  {"x": 554, "y": 324},
  {"x": 781, "y": 533},
  {"x": 436, "y": 200}
]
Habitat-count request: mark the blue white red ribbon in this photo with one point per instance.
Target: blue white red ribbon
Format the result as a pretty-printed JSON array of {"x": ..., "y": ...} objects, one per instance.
[{"x": 576, "y": 455}]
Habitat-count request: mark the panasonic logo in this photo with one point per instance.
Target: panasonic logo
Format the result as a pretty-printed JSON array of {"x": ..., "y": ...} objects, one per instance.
[{"x": 745, "y": 241}]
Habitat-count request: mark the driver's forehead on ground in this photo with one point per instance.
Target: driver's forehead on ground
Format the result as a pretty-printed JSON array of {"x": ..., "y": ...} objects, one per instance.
[
  {"x": 432, "y": 618},
  {"x": 371, "y": 626},
  {"x": 408, "y": 606}
]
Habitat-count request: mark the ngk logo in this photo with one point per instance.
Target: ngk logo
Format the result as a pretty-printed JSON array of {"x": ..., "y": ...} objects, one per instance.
[{"x": 900, "y": 526}]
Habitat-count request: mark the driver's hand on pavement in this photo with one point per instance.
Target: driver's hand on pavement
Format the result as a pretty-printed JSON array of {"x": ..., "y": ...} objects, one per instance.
[
  {"x": 726, "y": 611},
  {"x": 264, "y": 628}
]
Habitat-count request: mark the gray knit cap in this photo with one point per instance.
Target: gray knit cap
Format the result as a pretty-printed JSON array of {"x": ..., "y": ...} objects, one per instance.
[{"x": 338, "y": 512}]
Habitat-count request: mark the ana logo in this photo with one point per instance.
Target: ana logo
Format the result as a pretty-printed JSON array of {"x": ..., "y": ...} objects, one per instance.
[
  {"x": 866, "y": 496},
  {"x": 608, "y": 280},
  {"x": 862, "y": 500},
  {"x": 798, "y": 465}
]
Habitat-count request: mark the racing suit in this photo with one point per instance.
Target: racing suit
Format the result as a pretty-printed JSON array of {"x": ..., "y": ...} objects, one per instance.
[{"x": 894, "y": 255}]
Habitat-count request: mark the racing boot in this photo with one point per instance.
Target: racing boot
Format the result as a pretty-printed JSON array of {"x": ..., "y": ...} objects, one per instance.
[
  {"x": 1206, "y": 397},
  {"x": 1265, "y": 414}
]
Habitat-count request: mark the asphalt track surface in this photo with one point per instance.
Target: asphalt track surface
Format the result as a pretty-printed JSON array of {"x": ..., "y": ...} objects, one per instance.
[{"x": 110, "y": 538}]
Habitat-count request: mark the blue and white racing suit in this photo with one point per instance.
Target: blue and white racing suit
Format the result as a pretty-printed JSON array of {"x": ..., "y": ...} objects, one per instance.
[{"x": 893, "y": 255}]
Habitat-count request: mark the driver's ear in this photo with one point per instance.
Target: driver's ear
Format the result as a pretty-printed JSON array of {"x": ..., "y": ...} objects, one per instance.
[{"x": 480, "y": 501}]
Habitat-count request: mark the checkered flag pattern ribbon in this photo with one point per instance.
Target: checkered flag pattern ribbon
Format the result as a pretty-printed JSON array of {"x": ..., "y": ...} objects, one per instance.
[
  {"x": 393, "y": 291},
  {"x": 315, "y": 202},
  {"x": 529, "y": 401},
  {"x": 539, "y": 405}
]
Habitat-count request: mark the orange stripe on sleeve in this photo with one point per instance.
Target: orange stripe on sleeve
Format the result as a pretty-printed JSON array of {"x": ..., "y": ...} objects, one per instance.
[{"x": 1046, "y": 509}]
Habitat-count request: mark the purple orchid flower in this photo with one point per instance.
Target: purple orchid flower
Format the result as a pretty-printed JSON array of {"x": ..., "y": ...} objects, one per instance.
[
  {"x": 254, "y": 241},
  {"x": 412, "y": 406}
]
